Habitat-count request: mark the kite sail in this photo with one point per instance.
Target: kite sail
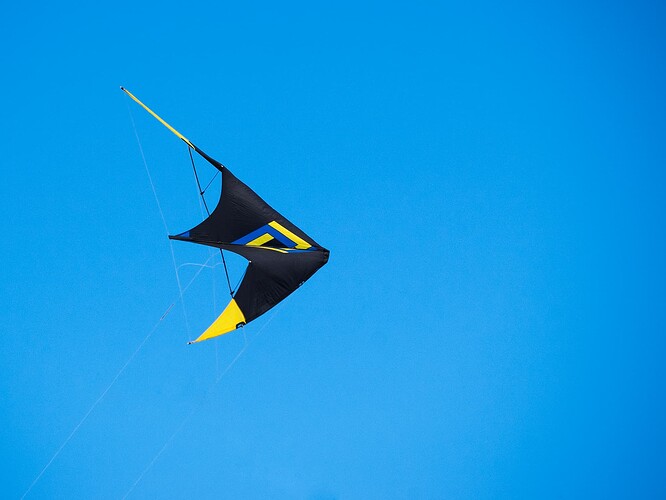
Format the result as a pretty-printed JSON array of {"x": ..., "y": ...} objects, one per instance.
[{"x": 281, "y": 256}]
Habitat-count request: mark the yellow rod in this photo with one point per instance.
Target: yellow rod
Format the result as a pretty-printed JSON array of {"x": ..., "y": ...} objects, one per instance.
[{"x": 178, "y": 134}]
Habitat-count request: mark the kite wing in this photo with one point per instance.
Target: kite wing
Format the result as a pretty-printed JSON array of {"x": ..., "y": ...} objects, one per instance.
[{"x": 281, "y": 256}]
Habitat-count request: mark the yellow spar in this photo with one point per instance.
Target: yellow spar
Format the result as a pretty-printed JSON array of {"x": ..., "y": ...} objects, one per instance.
[{"x": 178, "y": 134}]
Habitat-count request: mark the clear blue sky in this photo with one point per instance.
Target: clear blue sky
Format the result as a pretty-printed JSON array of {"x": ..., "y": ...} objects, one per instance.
[{"x": 489, "y": 178}]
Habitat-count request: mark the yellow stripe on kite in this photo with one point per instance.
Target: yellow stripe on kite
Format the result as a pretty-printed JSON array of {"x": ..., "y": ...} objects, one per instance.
[
  {"x": 301, "y": 244},
  {"x": 260, "y": 240}
]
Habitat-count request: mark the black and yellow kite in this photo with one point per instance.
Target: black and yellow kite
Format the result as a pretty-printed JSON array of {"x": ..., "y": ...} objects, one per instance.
[{"x": 281, "y": 256}]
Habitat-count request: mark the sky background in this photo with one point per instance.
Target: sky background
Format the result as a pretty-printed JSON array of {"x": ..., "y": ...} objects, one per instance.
[{"x": 489, "y": 178}]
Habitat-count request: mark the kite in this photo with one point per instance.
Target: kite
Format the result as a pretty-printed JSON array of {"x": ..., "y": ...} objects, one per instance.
[{"x": 281, "y": 257}]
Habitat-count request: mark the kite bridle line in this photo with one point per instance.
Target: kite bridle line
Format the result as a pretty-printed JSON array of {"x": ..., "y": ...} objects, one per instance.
[
  {"x": 203, "y": 198},
  {"x": 190, "y": 147}
]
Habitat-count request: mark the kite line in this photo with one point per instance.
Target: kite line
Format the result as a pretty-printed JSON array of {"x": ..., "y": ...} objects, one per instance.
[
  {"x": 113, "y": 381},
  {"x": 199, "y": 403},
  {"x": 166, "y": 227}
]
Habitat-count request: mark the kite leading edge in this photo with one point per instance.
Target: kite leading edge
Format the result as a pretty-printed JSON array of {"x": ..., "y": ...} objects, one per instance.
[{"x": 281, "y": 257}]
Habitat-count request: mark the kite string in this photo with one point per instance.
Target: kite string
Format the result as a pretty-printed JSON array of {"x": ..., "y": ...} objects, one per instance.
[
  {"x": 113, "y": 381},
  {"x": 182, "y": 424},
  {"x": 97, "y": 401},
  {"x": 200, "y": 403},
  {"x": 166, "y": 227},
  {"x": 217, "y": 355}
]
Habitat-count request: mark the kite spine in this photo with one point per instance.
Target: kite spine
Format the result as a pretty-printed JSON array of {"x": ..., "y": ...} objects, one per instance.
[{"x": 178, "y": 134}]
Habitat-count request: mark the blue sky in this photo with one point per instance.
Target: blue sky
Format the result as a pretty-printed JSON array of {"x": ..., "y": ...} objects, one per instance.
[{"x": 488, "y": 177}]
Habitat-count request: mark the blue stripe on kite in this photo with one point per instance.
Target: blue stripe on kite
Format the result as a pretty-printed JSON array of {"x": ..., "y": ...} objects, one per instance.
[{"x": 249, "y": 237}]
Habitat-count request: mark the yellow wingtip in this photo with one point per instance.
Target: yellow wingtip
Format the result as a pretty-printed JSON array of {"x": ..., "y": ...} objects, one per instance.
[{"x": 230, "y": 319}]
